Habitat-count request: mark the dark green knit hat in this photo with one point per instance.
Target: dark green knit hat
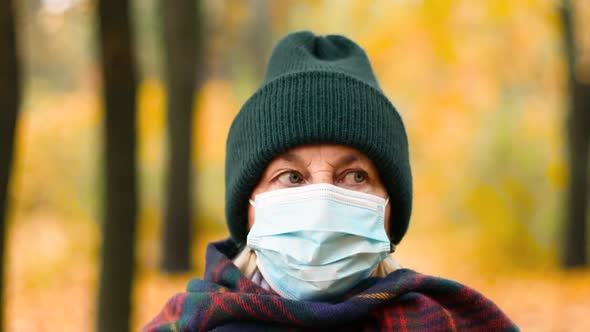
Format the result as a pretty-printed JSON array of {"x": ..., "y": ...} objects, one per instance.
[{"x": 317, "y": 89}]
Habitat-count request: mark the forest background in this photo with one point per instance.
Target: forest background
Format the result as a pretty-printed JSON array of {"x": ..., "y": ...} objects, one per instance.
[{"x": 482, "y": 87}]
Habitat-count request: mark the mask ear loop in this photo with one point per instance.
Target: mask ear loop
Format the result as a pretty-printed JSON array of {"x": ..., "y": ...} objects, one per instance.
[
  {"x": 251, "y": 202},
  {"x": 391, "y": 245}
]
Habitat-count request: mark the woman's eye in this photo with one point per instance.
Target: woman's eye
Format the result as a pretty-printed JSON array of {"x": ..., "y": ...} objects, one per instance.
[
  {"x": 355, "y": 177},
  {"x": 290, "y": 178}
]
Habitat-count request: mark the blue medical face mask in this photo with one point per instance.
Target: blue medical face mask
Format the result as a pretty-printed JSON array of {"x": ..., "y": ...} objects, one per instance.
[{"x": 316, "y": 242}]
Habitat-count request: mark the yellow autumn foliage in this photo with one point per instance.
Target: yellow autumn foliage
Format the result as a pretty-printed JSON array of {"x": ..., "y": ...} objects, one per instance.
[{"x": 480, "y": 86}]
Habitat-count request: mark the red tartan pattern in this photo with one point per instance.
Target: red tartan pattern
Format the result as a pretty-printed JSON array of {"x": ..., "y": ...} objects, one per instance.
[{"x": 402, "y": 301}]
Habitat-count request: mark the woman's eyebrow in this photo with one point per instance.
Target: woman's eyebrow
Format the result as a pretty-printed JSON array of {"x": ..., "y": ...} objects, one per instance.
[
  {"x": 347, "y": 160},
  {"x": 290, "y": 157},
  {"x": 342, "y": 161}
]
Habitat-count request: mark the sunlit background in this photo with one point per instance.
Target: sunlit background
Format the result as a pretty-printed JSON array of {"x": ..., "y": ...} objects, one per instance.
[{"x": 480, "y": 85}]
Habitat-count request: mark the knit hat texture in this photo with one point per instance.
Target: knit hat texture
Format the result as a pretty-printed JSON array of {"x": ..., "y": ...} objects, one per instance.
[{"x": 317, "y": 89}]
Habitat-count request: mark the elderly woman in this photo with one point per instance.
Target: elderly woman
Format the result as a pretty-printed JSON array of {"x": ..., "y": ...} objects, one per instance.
[{"x": 318, "y": 194}]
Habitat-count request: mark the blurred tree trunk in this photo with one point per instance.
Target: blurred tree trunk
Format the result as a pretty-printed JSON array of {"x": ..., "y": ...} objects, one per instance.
[
  {"x": 259, "y": 36},
  {"x": 181, "y": 24},
  {"x": 575, "y": 240},
  {"x": 9, "y": 104},
  {"x": 118, "y": 228}
]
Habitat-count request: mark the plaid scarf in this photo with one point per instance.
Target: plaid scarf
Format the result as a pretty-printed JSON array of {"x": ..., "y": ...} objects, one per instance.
[{"x": 403, "y": 301}]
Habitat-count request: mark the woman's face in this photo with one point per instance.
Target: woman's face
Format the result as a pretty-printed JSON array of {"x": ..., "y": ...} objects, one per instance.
[{"x": 338, "y": 165}]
